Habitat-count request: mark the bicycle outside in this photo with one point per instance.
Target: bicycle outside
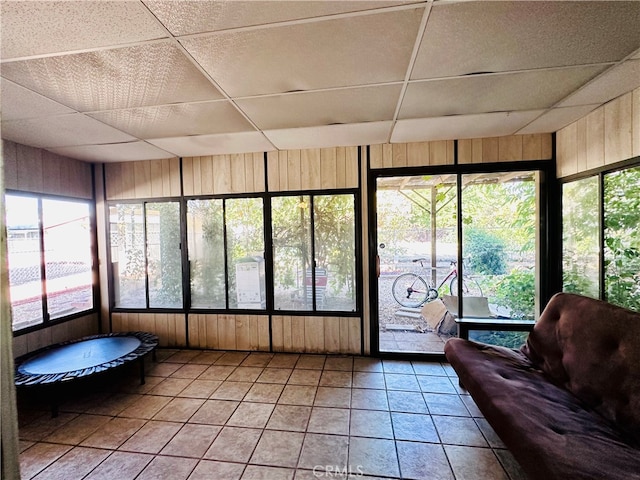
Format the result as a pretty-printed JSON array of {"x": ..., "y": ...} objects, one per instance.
[{"x": 413, "y": 290}]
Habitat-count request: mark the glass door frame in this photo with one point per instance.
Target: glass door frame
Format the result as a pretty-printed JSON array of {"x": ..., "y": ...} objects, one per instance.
[{"x": 550, "y": 240}]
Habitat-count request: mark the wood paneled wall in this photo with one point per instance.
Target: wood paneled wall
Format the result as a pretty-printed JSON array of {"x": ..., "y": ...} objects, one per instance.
[
  {"x": 418, "y": 154},
  {"x": 316, "y": 334},
  {"x": 221, "y": 174},
  {"x": 511, "y": 148},
  {"x": 169, "y": 327},
  {"x": 30, "y": 169},
  {"x": 144, "y": 179},
  {"x": 229, "y": 332},
  {"x": 315, "y": 169},
  {"x": 609, "y": 134},
  {"x": 61, "y": 332}
]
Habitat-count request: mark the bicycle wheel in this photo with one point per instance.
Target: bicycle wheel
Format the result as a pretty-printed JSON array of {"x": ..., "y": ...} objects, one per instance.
[
  {"x": 470, "y": 288},
  {"x": 410, "y": 290}
]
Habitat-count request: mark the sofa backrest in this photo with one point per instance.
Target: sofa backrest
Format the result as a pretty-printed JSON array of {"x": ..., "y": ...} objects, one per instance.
[{"x": 592, "y": 348}]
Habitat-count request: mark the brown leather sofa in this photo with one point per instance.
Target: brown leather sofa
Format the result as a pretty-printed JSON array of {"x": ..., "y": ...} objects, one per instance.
[{"x": 567, "y": 404}]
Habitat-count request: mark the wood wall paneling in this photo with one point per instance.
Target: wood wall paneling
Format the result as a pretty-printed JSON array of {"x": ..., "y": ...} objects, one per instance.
[
  {"x": 618, "y": 143},
  {"x": 412, "y": 154},
  {"x": 316, "y": 334},
  {"x": 169, "y": 327}
]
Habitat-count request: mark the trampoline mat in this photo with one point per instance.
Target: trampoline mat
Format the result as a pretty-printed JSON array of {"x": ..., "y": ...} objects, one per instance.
[{"x": 82, "y": 357}]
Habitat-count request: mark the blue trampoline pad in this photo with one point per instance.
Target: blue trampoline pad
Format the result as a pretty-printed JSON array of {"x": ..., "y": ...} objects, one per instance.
[{"x": 80, "y": 355}]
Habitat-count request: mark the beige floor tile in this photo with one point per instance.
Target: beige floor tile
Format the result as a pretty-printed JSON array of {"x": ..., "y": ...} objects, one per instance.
[
  {"x": 253, "y": 415},
  {"x": 206, "y": 357},
  {"x": 257, "y": 359},
  {"x": 277, "y": 448},
  {"x": 293, "y": 418},
  {"x": 423, "y": 460},
  {"x": 511, "y": 466},
  {"x": 368, "y": 380},
  {"x": 459, "y": 431},
  {"x": 333, "y": 397},
  {"x": 373, "y": 456},
  {"x": 338, "y": 362},
  {"x": 410, "y": 402},
  {"x": 168, "y": 468},
  {"x": 231, "y": 390},
  {"x": 298, "y": 395},
  {"x": 162, "y": 369},
  {"x": 214, "y": 412},
  {"x": 446, "y": 404},
  {"x": 152, "y": 437},
  {"x": 192, "y": 441},
  {"x": 234, "y": 444},
  {"x": 76, "y": 463},
  {"x": 200, "y": 389},
  {"x": 245, "y": 374},
  {"x": 214, "y": 470},
  {"x": 333, "y": 378},
  {"x": 397, "y": 366},
  {"x": 284, "y": 360},
  {"x": 39, "y": 456},
  {"x": 370, "y": 423},
  {"x": 259, "y": 472},
  {"x": 471, "y": 463},
  {"x": 145, "y": 407},
  {"x": 191, "y": 371},
  {"x": 275, "y": 375},
  {"x": 370, "y": 399},
  {"x": 113, "y": 405},
  {"x": 179, "y": 409},
  {"x": 183, "y": 356},
  {"x": 231, "y": 358},
  {"x": 114, "y": 433},
  {"x": 434, "y": 384},
  {"x": 264, "y": 392},
  {"x": 217, "y": 372},
  {"x": 120, "y": 466},
  {"x": 319, "y": 450},
  {"x": 77, "y": 429},
  {"x": 401, "y": 381},
  {"x": 304, "y": 377},
  {"x": 311, "y": 362},
  {"x": 415, "y": 427},
  {"x": 44, "y": 426},
  {"x": 329, "y": 420},
  {"x": 170, "y": 386},
  {"x": 367, "y": 364}
]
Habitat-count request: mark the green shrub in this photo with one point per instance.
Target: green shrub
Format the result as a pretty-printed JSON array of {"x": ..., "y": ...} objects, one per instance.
[{"x": 486, "y": 252}]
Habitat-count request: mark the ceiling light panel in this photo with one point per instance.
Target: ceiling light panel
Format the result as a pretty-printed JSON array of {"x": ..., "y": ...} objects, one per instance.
[
  {"x": 43, "y": 27},
  {"x": 308, "y": 56},
  {"x": 461, "y": 126},
  {"x": 489, "y": 93},
  {"x": 115, "y": 152},
  {"x": 187, "y": 17},
  {"x": 350, "y": 105},
  {"x": 615, "y": 82},
  {"x": 330, "y": 136},
  {"x": 20, "y": 103},
  {"x": 61, "y": 131},
  {"x": 220, "y": 144},
  {"x": 556, "y": 119},
  {"x": 152, "y": 74},
  {"x": 470, "y": 37},
  {"x": 177, "y": 120}
]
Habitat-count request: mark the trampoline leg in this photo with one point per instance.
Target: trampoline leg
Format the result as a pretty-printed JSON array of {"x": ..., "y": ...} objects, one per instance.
[{"x": 141, "y": 370}]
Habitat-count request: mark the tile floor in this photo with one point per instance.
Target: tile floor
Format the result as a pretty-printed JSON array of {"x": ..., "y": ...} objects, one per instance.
[{"x": 228, "y": 415}]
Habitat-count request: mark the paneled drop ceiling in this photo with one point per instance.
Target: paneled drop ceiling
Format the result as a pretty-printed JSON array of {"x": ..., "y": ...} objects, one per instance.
[{"x": 133, "y": 80}]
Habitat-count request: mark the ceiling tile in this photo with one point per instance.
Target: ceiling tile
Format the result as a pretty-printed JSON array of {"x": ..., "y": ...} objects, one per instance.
[
  {"x": 177, "y": 120},
  {"x": 42, "y": 27},
  {"x": 20, "y": 103},
  {"x": 151, "y": 74},
  {"x": 471, "y": 37},
  {"x": 614, "y": 82},
  {"x": 351, "y": 105},
  {"x": 330, "y": 136},
  {"x": 308, "y": 56},
  {"x": 494, "y": 92},
  {"x": 61, "y": 131},
  {"x": 556, "y": 118},
  {"x": 187, "y": 16},
  {"x": 461, "y": 126},
  {"x": 114, "y": 152},
  {"x": 220, "y": 144}
]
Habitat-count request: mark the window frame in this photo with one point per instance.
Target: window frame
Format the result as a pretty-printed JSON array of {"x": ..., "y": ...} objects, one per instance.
[{"x": 47, "y": 321}]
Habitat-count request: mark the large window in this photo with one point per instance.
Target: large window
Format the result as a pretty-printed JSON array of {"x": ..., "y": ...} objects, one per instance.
[
  {"x": 50, "y": 258},
  {"x": 314, "y": 265},
  {"x": 235, "y": 279},
  {"x": 601, "y": 215},
  {"x": 145, "y": 254}
]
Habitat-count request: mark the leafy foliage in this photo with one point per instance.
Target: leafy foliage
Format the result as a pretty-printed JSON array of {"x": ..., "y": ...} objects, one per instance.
[
  {"x": 486, "y": 251},
  {"x": 516, "y": 291}
]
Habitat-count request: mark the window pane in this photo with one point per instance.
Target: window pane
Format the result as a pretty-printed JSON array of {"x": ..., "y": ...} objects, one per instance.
[
  {"x": 581, "y": 237},
  {"x": 67, "y": 250},
  {"x": 206, "y": 253},
  {"x": 245, "y": 253},
  {"x": 25, "y": 278},
  {"x": 127, "y": 254},
  {"x": 622, "y": 237},
  {"x": 499, "y": 225},
  {"x": 291, "y": 231},
  {"x": 164, "y": 262},
  {"x": 334, "y": 227}
]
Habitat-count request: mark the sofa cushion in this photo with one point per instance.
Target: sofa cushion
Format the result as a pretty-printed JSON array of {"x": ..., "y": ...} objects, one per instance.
[
  {"x": 551, "y": 433},
  {"x": 592, "y": 349}
]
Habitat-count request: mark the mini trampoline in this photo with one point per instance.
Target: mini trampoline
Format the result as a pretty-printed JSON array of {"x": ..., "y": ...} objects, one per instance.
[{"x": 83, "y": 358}]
